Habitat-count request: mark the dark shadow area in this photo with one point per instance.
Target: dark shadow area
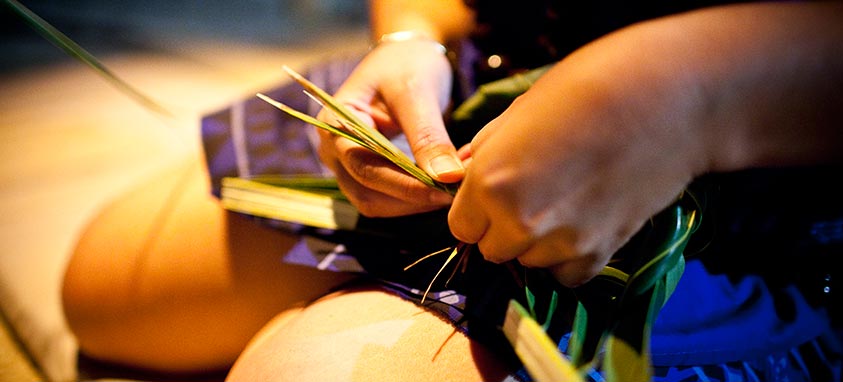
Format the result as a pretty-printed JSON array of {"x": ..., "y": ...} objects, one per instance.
[{"x": 92, "y": 369}]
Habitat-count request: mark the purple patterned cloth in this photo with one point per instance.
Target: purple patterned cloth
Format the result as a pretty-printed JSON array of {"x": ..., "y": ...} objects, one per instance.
[{"x": 251, "y": 137}]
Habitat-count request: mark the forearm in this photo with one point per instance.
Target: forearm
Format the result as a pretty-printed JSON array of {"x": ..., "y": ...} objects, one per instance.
[
  {"x": 441, "y": 20},
  {"x": 770, "y": 81}
]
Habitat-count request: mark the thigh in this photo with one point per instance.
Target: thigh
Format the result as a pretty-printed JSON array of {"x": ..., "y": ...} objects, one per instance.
[
  {"x": 364, "y": 335},
  {"x": 165, "y": 279}
]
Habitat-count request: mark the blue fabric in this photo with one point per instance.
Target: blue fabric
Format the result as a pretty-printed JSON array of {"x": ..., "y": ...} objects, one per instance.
[
  {"x": 712, "y": 319},
  {"x": 819, "y": 359},
  {"x": 816, "y": 360}
]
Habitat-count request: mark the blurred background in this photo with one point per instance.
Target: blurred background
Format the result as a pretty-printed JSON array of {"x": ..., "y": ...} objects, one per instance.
[
  {"x": 70, "y": 142},
  {"x": 105, "y": 26}
]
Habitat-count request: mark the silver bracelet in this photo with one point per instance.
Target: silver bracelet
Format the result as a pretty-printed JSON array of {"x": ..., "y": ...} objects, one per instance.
[{"x": 410, "y": 35}]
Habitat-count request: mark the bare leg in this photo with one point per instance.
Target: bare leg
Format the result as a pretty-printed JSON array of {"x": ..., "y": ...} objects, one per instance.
[
  {"x": 364, "y": 335},
  {"x": 165, "y": 279}
]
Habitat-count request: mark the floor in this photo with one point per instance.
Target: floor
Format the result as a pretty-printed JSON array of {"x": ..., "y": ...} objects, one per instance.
[
  {"x": 69, "y": 141},
  {"x": 15, "y": 364}
]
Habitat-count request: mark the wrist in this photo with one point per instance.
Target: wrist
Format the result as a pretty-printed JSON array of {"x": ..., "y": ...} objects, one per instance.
[{"x": 404, "y": 36}]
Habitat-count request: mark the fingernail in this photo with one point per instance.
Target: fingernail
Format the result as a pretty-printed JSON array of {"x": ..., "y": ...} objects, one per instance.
[{"x": 445, "y": 165}]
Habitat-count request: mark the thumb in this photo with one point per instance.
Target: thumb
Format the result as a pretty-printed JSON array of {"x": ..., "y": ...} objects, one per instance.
[
  {"x": 435, "y": 154},
  {"x": 420, "y": 117}
]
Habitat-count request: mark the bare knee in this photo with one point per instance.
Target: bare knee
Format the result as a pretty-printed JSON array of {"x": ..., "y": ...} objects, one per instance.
[
  {"x": 166, "y": 280},
  {"x": 113, "y": 297},
  {"x": 364, "y": 336}
]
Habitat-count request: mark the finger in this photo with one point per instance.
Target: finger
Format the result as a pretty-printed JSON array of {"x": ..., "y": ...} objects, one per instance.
[
  {"x": 373, "y": 203},
  {"x": 558, "y": 252},
  {"x": 327, "y": 150},
  {"x": 464, "y": 153},
  {"x": 549, "y": 250},
  {"x": 383, "y": 121},
  {"x": 487, "y": 131},
  {"x": 416, "y": 106},
  {"x": 373, "y": 184},
  {"x": 467, "y": 219},
  {"x": 379, "y": 175},
  {"x": 576, "y": 272},
  {"x": 503, "y": 241}
]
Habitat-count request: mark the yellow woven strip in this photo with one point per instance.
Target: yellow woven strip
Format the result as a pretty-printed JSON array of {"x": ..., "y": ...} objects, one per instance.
[{"x": 535, "y": 349}]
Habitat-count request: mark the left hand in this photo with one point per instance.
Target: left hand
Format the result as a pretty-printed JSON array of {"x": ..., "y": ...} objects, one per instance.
[{"x": 400, "y": 87}]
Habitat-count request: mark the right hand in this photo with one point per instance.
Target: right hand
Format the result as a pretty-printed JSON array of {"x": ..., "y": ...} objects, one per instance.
[{"x": 399, "y": 87}]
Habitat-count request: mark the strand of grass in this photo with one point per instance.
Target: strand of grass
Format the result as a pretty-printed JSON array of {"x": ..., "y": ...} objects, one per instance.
[
  {"x": 551, "y": 309},
  {"x": 462, "y": 263},
  {"x": 378, "y": 143},
  {"x": 76, "y": 51},
  {"x": 376, "y": 140},
  {"x": 399, "y": 159},
  {"x": 436, "y": 276},
  {"x": 394, "y": 156},
  {"x": 327, "y": 100},
  {"x": 531, "y": 302},
  {"x": 684, "y": 229},
  {"x": 313, "y": 121},
  {"x": 457, "y": 249},
  {"x": 332, "y": 104},
  {"x": 363, "y": 134},
  {"x": 425, "y": 257}
]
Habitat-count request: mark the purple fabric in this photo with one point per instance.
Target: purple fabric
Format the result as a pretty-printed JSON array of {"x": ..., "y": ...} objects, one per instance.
[{"x": 252, "y": 137}]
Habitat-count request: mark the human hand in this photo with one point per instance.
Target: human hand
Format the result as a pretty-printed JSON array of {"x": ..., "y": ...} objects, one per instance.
[
  {"x": 400, "y": 87},
  {"x": 576, "y": 165}
]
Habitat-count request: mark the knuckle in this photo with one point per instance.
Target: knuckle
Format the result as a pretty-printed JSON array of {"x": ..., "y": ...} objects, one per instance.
[
  {"x": 499, "y": 185},
  {"x": 426, "y": 136},
  {"x": 577, "y": 271},
  {"x": 458, "y": 230},
  {"x": 429, "y": 140},
  {"x": 359, "y": 164},
  {"x": 490, "y": 254}
]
